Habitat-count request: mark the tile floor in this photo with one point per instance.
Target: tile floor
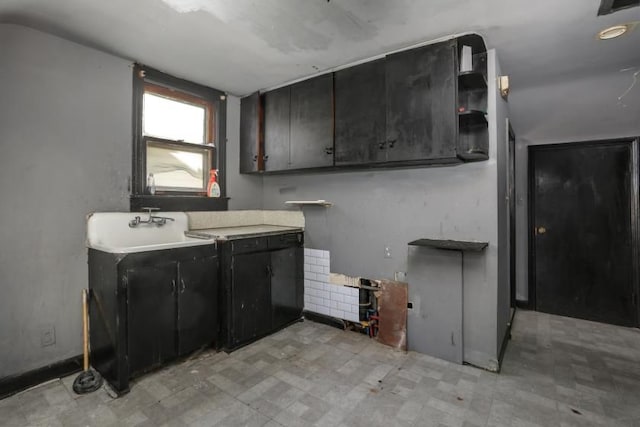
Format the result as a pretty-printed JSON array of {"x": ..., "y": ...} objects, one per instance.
[{"x": 557, "y": 372}]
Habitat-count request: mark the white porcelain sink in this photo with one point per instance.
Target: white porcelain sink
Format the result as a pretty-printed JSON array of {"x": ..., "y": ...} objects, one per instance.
[{"x": 110, "y": 232}]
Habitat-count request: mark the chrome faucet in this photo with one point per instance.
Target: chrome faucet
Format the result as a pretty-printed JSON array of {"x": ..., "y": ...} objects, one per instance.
[{"x": 153, "y": 219}]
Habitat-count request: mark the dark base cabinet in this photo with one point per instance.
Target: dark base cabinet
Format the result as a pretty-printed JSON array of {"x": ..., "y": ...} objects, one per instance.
[
  {"x": 148, "y": 308},
  {"x": 263, "y": 286}
]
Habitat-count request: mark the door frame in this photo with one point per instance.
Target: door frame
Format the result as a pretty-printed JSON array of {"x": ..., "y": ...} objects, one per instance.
[
  {"x": 633, "y": 142},
  {"x": 513, "y": 207}
]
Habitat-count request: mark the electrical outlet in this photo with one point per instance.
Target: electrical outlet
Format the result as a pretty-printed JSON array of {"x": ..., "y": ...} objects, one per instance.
[
  {"x": 47, "y": 335},
  {"x": 387, "y": 252},
  {"x": 400, "y": 276}
]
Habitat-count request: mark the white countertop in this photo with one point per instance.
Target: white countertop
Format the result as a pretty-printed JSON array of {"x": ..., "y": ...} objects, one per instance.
[{"x": 240, "y": 232}]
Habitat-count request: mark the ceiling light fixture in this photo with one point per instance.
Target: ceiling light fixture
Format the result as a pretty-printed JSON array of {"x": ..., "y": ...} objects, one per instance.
[{"x": 613, "y": 32}]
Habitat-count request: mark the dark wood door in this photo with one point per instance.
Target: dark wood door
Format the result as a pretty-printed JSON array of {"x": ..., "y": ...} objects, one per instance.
[
  {"x": 287, "y": 285},
  {"x": 421, "y": 103},
  {"x": 250, "y": 132},
  {"x": 251, "y": 297},
  {"x": 151, "y": 315},
  {"x": 583, "y": 212},
  {"x": 197, "y": 303},
  {"x": 277, "y": 114},
  {"x": 360, "y": 114},
  {"x": 312, "y": 123}
]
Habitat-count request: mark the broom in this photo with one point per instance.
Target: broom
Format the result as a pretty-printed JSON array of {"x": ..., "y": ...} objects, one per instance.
[{"x": 89, "y": 380}]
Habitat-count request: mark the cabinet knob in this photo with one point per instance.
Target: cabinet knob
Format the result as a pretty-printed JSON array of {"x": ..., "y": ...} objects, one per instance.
[
  {"x": 265, "y": 158},
  {"x": 255, "y": 158},
  {"x": 392, "y": 142},
  {"x": 182, "y": 286},
  {"x": 173, "y": 286},
  {"x": 328, "y": 150},
  {"x": 382, "y": 145}
]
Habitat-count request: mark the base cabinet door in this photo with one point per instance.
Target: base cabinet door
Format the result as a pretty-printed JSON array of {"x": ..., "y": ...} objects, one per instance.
[
  {"x": 250, "y": 297},
  {"x": 197, "y": 303},
  {"x": 151, "y": 314},
  {"x": 287, "y": 293}
]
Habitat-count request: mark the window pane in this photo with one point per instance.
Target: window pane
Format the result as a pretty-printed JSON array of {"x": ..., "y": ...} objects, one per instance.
[
  {"x": 170, "y": 119},
  {"x": 175, "y": 168}
]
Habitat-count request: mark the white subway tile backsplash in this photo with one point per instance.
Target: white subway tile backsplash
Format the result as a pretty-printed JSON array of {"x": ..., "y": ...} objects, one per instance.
[
  {"x": 321, "y": 261},
  {"x": 353, "y": 317},
  {"x": 322, "y": 277},
  {"x": 309, "y": 259},
  {"x": 309, "y": 275},
  {"x": 317, "y": 268},
  {"x": 337, "y": 313},
  {"x": 326, "y": 255},
  {"x": 344, "y": 307},
  {"x": 337, "y": 297},
  {"x": 326, "y": 270},
  {"x": 324, "y": 310},
  {"x": 316, "y": 300}
]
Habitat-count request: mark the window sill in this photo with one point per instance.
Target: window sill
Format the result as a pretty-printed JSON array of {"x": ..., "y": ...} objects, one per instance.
[{"x": 178, "y": 202}]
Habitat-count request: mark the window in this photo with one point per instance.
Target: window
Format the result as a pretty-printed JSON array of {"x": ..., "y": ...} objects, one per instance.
[{"x": 176, "y": 138}]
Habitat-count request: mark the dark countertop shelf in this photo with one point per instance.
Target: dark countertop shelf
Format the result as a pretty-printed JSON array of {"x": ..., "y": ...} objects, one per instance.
[{"x": 451, "y": 245}]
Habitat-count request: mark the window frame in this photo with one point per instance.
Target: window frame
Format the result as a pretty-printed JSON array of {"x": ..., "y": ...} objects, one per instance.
[{"x": 147, "y": 79}]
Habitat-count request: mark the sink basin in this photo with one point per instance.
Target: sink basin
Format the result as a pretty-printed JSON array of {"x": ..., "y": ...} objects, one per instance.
[{"x": 110, "y": 232}]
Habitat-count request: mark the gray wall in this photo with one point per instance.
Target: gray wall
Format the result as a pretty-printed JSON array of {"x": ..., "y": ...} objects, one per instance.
[
  {"x": 65, "y": 139},
  {"x": 579, "y": 108},
  {"x": 374, "y": 209},
  {"x": 245, "y": 191},
  {"x": 497, "y": 103}
]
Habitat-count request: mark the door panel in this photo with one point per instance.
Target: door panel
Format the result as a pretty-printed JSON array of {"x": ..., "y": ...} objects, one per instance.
[
  {"x": 287, "y": 293},
  {"x": 250, "y": 134},
  {"x": 277, "y": 105},
  {"x": 582, "y": 238},
  {"x": 151, "y": 315},
  {"x": 197, "y": 303},
  {"x": 312, "y": 123},
  {"x": 251, "y": 297},
  {"x": 360, "y": 114},
  {"x": 421, "y": 103}
]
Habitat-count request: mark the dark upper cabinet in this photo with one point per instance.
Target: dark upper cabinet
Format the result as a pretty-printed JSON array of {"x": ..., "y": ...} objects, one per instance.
[
  {"x": 311, "y": 123},
  {"x": 410, "y": 108},
  {"x": 251, "y": 150},
  {"x": 421, "y": 103},
  {"x": 277, "y": 113},
  {"x": 360, "y": 114}
]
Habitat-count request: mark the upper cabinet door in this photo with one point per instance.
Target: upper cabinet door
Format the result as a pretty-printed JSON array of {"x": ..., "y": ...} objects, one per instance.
[
  {"x": 312, "y": 123},
  {"x": 421, "y": 103},
  {"x": 276, "y": 129},
  {"x": 360, "y": 114},
  {"x": 250, "y": 133}
]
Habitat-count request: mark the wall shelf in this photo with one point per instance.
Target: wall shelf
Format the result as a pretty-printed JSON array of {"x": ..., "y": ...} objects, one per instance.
[
  {"x": 472, "y": 118},
  {"x": 308, "y": 203},
  {"x": 470, "y": 80}
]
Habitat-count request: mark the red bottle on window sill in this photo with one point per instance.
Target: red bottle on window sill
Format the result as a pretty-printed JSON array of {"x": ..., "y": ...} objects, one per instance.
[{"x": 213, "y": 189}]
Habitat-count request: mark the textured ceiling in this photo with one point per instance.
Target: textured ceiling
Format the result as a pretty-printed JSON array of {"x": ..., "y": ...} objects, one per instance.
[{"x": 240, "y": 46}]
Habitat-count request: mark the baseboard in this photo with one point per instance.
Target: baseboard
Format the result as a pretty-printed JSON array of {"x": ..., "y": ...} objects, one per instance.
[
  {"x": 525, "y": 305},
  {"x": 17, "y": 383},
  {"x": 326, "y": 320}
]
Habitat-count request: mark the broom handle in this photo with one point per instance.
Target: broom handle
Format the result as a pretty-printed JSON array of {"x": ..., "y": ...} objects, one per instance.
[{"x": 85, "y": 329}]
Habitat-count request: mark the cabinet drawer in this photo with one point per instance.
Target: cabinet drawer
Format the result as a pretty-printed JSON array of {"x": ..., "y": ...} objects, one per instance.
[
  {"x": 285, "y": 240},
  {"x": 248, "y": 245}
]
